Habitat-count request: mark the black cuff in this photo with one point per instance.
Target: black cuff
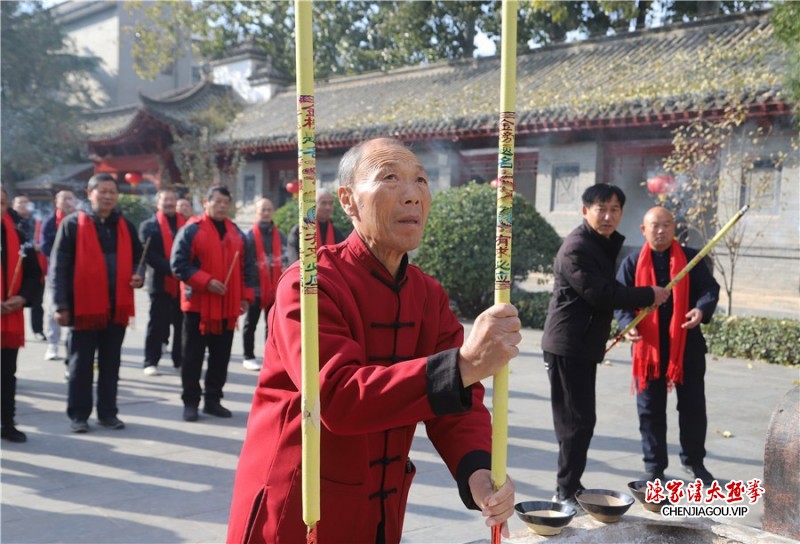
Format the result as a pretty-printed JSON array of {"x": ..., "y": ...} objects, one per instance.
[
  {"x": 445, "y": 390},
  {"x": 470, "y": 463}
]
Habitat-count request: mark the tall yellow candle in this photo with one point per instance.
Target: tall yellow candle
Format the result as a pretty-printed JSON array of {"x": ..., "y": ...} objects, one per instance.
[
  {"x": 306, "y": 163},
  {"x": 505, "y": 196}
]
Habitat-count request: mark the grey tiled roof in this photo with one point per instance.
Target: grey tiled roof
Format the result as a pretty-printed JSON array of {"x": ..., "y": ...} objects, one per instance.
[
  {"x": 175, "y": 109},
  {"x": 652, "y": 74}
]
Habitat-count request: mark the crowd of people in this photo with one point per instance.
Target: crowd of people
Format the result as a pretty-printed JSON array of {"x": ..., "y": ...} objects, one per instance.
[{"x": 392, "y": 353}]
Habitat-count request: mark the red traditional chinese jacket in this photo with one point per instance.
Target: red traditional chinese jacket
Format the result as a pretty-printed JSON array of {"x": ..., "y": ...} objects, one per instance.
[{"x": 388, "y": 359}]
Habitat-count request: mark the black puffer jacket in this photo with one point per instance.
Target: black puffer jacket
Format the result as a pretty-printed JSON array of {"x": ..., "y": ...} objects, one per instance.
[{"x": 585, "y": 295}]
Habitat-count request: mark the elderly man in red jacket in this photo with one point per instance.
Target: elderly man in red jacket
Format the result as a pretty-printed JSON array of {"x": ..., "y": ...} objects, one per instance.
[{"x": 391, "y": 355}]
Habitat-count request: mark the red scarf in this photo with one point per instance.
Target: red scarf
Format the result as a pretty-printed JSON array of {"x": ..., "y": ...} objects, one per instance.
[
  {"x": 216, "y": 258},
  {"x": 92, "y": 304},
  {"x": 646, "y": 358},
  {"x": 37, "y": 232},
  {"x": 59, "y": 218},
  {"x": 13, "y": 334},
  {"x": 329, "y": 238},
  {"x": 268, "y": 277},
  {"x": 170, "y": 282}
]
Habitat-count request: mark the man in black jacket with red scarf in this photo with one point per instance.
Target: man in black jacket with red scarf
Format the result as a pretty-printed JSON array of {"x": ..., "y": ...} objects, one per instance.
[
  {"x": 577, "y": 326},
  {"x": 162, "y": 285},
  {"x": 669, "y": 348},
  {"x": 94, "y": 262}
]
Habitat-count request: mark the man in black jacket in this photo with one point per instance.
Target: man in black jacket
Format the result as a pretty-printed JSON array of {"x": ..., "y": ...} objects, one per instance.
[
  {"x": 162, "y": 285},
  {"x": 95, "y": 259},
  {"x": 669, "y": 348},
  {"x": 585, "y": 294},
  {"x": 327, "y": 233}
]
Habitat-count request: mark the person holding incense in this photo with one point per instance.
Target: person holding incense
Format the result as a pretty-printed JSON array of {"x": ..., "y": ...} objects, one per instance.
[
  {"x": 578, "y": 322},
  {"x": 20, "y": 280},
  {"x": 95, "y": 260},
  {"x": 327, "y": 233},
  {"x": 668, "y": 346},
  {"x": 157, "y": 234},
  {"x": 391, "y": 354},
  {"x": 217, "y": 273},
  {"x": 268, "y": 244}
]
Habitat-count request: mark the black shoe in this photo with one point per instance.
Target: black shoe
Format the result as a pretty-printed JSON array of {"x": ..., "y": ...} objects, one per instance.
[
  {"x": 190, "y": 413},
  {"x": 40, "y": 336},
  {"x": 569, "y": 500},
  {"x": 216, "y": 409},
  {"x": 79, "y": 426},
  {"x": 699, "y": 471},
  {"x": 652, "y": 475},
  {"x": 113, "y": 423},
  {"x": 10, "y": 433}
]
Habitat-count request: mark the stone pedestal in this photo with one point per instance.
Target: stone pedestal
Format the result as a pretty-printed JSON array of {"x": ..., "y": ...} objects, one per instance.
[{"x": 782, "y": 468}]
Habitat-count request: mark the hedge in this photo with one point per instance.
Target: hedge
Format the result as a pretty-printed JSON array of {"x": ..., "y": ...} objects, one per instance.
[
  {"x": 135, "y": 209},
  {"x": 760, "y": 338},
  {"x": 458, "y": 247}
]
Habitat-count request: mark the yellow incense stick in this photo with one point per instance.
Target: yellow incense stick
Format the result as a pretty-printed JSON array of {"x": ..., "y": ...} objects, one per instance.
[
  {"x": 505, "y": 196},
  {"x": 306, "y": 151}
]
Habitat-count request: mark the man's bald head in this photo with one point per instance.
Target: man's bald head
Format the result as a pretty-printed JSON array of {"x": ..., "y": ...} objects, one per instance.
[
  {"x": 265, "y": 210},
  {"x": 658, "y": 228}
]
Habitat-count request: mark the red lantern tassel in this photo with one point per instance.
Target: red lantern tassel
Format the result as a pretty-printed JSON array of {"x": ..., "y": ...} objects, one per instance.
[
  {"x": 311, "y": 536},
  {"x": 496, "y": 534}
]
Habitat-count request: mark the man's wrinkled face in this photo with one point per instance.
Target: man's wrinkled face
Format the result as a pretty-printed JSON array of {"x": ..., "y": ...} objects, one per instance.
[
  {"x": 390, "y": 198},
  {"x": 104, "y": 198},
  {"x": 265, "y": 210},
  {"x": 604, "y": 217},
  {"x": 166, "y": 203},
  {"x": 217, "y": 206}
]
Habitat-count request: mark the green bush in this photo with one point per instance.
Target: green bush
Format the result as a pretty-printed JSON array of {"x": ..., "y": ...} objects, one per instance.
[
  {"x": 458, "y": 247},
  {"x": 532, "y": 307},
  {"x": 135, "y": 209},
  {"x": 286, "y": 217},
  {"x": 761, "y": 338}
]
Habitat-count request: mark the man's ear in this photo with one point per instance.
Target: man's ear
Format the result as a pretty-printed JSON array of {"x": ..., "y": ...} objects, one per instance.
[{"x": 348, "y": 202}]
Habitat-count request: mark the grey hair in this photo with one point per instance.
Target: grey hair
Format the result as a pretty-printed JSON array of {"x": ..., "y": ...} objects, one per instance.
[{"x": 350, "y": 160}]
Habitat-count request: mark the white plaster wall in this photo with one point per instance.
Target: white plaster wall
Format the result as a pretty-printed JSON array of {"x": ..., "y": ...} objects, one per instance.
[{"x": 235, "y": 74}]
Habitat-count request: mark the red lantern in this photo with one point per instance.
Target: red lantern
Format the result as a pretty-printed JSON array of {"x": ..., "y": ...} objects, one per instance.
[
  {"x": 133, "y": 178},
  {"x": 493, "y": 183},
  {"x": 661, "y": 184},
  {"x": 293, "y": 187}
]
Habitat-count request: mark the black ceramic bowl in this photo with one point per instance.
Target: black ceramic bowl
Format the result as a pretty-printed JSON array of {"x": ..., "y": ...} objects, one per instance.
[
  {"x": 544, "y": 517},
  {"x": 638, "y": 489},
  {"x": 603, "y": 504}
]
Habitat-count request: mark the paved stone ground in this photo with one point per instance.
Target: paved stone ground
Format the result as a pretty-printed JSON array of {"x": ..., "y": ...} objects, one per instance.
[{"x": 162, "y": 480}]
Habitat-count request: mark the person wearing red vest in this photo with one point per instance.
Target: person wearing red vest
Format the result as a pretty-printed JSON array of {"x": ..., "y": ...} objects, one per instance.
[
  {"x": 668, "y": 346},
  {"x": 19, "y": 275},
  {"x": 94, "y": 262},
  {"x": 391, "y": 354},
  {"x": 65, "y": 205},
  {"x": 162, "y": 285},
  {"x": 217, "y": 276},
  {"x": 327, "y": 233},
  {"x": 269, "y": 246}
]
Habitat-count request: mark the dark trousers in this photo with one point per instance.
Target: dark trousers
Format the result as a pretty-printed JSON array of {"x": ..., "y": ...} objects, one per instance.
[
  {"x": 572, "y": 397},
  {"x": 8, "y": 385},
  {"x": 37, "y": 318},
  {"x": 164, "y": 311},
  {"x": 194, "y": 349},
  {"x": 651, "y": 404},
  {"x": 82, "y": 347},
  {"x": 249, "y": 330}
]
